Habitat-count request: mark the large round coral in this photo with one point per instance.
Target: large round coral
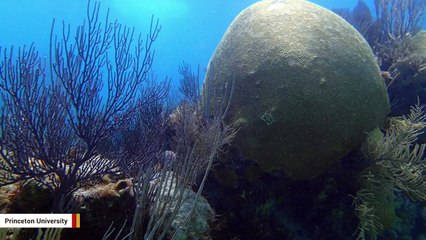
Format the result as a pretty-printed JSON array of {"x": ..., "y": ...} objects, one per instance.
[{"x": 306, "y": 88}]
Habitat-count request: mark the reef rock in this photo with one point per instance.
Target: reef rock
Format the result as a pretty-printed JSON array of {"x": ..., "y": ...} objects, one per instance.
[
  {"x": 306, "y": 86},
  {"x": 181, "y": 228},
  {"x": 419, "y": 43}
]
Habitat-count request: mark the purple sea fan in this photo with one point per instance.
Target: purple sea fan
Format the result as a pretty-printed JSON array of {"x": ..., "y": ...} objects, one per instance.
[{"x": 51, "y": 131}]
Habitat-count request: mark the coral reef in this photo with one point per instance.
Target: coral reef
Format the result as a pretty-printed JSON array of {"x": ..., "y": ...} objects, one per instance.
[
  {"x": 271, "y": 206},
  {"x": 304, "y": 88},
  {"x": 51, "y": 131},
  {"x": 398, "y": 21},
  {"x": 307, "y": 86},
  {"x": 93, "y": 138},
  {"x": 418, "y": 43},
  {"x": 407, "y": 84},
  {"x": 189, "y": 222},
  {"x": 395, "y": 36},
  {"x": 29, "y": 197},
  {"x": 398, "y": 164}
]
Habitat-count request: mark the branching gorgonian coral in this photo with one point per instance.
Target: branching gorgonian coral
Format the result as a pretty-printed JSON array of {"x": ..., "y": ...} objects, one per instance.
[
  {"x": 398, "y": 21},
  {"x": 164, "y": 187},
  {"x": 54, "y": 118},
  {"x": 398, "y": 164}
]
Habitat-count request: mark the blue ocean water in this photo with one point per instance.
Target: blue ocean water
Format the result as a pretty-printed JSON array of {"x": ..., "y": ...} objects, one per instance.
[
  {"x": 190, "y": 32},
  {"x": 191, "y": 29}
]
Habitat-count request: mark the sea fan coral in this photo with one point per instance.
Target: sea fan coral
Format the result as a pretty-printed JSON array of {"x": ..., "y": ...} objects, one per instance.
[{"x": 51, "y": 131}]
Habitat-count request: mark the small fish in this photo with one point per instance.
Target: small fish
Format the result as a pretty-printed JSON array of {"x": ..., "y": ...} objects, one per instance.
[{"x": 387, "y": 77}]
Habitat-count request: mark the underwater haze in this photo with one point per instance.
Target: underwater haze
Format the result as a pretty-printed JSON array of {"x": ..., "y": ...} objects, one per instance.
[
  {"x": 191, "y": 29},
  {"x": 286, "y": 122}
]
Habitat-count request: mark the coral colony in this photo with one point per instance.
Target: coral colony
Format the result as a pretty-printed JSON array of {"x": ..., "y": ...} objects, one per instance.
[{"x": 309, "y": 125}]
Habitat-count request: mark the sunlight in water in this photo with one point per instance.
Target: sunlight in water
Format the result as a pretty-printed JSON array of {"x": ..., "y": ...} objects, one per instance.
[{"x": 165, "y": 9}]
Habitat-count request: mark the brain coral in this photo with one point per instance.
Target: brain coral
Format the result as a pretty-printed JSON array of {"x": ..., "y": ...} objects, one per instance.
[{"x": 307, "y": 87}]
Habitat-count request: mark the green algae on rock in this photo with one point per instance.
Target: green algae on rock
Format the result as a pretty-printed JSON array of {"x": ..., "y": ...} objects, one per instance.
[{"x": 306, "y": 86}]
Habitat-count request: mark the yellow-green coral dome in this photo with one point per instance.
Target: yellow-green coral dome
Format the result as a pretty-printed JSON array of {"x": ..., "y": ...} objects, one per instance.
[
  {"x": 418, "y": 43},
  {"x": 307, "y": 87}
]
